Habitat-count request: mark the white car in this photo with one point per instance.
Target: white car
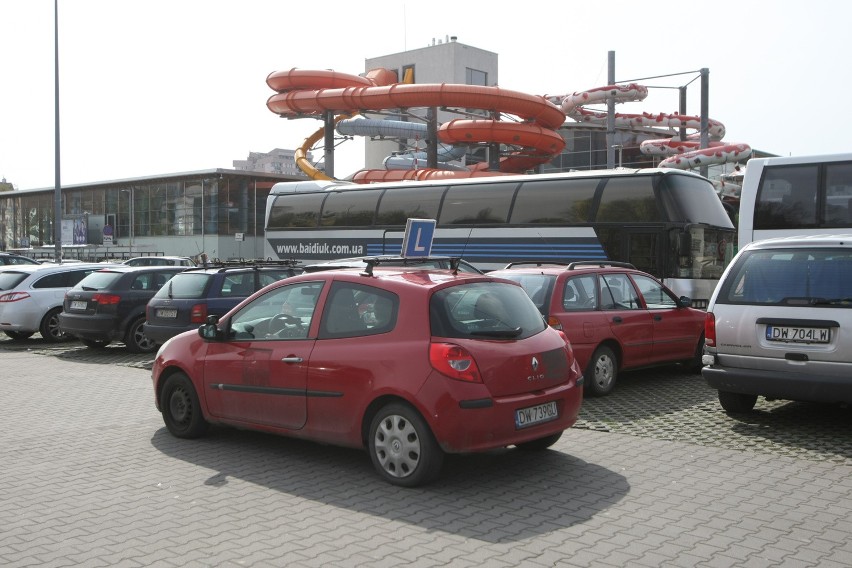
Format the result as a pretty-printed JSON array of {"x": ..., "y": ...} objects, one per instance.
[
  {"x": 778, "y": 324},
  {"x": 31, "y": 297},
  {"x": 159, "y": 261}
]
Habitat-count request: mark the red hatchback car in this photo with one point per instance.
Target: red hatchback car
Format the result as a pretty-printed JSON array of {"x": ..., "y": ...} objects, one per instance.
[
  {"x": 409, "y": 363},
  {"x": 617, "y": 318}
]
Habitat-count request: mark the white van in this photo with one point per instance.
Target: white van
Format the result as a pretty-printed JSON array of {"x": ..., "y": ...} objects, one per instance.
[
  {"x": 779, "y": 324},
  {"x": 795, "y": 195}
]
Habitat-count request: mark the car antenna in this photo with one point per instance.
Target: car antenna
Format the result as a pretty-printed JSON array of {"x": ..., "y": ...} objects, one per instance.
[{"x": 466, "y": 241}]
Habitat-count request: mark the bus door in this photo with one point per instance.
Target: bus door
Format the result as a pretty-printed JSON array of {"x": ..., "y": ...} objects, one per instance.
[{"x": 643, "y": 248}]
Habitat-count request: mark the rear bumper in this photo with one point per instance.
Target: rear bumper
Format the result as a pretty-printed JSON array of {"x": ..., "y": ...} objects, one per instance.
[
  {"x": 89, "y": 326},
  {"x": 780, "y": 384},
  {"x": 161, "y": 333}
]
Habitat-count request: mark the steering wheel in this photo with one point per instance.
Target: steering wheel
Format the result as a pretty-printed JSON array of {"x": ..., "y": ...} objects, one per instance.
[{"x": 279, "y": 323}]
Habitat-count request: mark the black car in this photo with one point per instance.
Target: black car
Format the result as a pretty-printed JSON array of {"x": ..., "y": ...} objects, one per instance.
[
  {"x": 9, "y": 258},
  {"x": 109, "y": 305},
  {"x": 196, "y": 293}
]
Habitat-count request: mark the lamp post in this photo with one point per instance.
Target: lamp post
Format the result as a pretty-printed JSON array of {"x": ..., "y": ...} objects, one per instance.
[{"x": 130, "y": 194}]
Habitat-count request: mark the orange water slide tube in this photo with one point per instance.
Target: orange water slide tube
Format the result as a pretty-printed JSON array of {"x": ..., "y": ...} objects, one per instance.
[{"x": 303, "y": 93}]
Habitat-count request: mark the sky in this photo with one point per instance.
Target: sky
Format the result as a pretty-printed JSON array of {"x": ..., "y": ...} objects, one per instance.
[{"x": 168, "y": 86}]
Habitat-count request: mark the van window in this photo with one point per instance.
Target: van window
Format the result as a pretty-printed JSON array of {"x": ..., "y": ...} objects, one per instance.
[{"x": 794, "y": 277}]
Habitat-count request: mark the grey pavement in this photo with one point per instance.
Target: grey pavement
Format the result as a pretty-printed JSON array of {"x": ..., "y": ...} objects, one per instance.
[{"x": 90, "y": 477}]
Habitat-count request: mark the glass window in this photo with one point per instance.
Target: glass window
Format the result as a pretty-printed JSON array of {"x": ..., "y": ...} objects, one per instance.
[
  {"x": 282, "y": 313},
  {"x": 295, "y": 210},
  {"x": 355, "y": 310},
  {"x": 617, "y": 293},
  {"x": 475, "y": 77},
  {"x": 349, "y": 208},
  {"x": 186, "y": 286},
  {"x": 554, "y": 202},
  {"x": 580, "y": 293},
  {"x": 656, "y": 297},
  {"x": 537, "y": 286},
  {"x": 239, "y": 284},
  {"x": 484, "y": 310},
  {"x": 689, "y": 199},
  {"x": 629, "y": 199},
  {"x": 99, "y": 280},
  {"x": 838, "y": 195},
  {"x": 786, "y": 197},
  {"x": 398, "y": 205},
  {"x": 477, "y": 204}
]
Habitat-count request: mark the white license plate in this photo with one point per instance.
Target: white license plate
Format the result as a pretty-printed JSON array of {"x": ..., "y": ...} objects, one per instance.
[
  {"x": 793, "y": 334},
  {"x": 166, "y": 313},
  {"x": 77, "y": 305},
  {"x": 532, "y": 415}
]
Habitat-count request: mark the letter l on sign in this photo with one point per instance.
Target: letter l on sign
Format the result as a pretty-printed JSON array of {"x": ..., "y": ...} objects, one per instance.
[{"x": 418, "y": 237}]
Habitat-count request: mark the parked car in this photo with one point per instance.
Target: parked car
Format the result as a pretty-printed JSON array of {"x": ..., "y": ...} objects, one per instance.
[
  {"x": 408, "y": 363},
  {"x": 425, "y": 262},
  {"x": 202, "y": 291},
  {"x": 160, "y": 261},
  {"x": 31, "y": 298},
  {"x": 7, "y": 258},
  {"x": 617, "y": 318},
  {"x": 109, "y": 305},
  {"x": 778, "y": 324}
]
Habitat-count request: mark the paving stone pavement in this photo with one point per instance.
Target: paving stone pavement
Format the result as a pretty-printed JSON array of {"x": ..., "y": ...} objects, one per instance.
[{"x": 90, "y": 477}]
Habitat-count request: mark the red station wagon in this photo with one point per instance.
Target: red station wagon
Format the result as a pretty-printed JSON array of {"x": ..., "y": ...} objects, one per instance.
[
  {"x": 617, "y": 318},
  {"x": 409, "y": 363}
]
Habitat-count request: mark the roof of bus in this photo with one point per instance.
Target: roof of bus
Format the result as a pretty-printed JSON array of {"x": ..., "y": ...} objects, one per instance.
[{"x": 326, "y": 185}]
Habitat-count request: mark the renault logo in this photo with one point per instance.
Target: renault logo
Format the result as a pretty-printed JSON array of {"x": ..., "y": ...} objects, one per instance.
[{"x": 535, "y": 364}]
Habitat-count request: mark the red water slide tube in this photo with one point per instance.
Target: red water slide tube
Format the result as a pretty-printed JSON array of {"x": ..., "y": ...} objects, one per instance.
[{"x": 306, "y": 93}]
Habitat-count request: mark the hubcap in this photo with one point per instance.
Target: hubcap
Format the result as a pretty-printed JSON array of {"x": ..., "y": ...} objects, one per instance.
[{"x": 397, "y": 446}]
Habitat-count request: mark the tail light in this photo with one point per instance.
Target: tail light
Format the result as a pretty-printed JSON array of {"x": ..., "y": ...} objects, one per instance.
[
  {"x": 198, "y": 314},
  {"x": 14, "y": 297},
  {"x": 454, "y": 361},
  {"x": 553, "y": 322},
  {"x": 106, "y": 299},
  {"x": 710, "y": 330}
]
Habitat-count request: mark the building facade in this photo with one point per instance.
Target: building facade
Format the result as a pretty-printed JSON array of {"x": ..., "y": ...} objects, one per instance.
[
  {"x": 277, "y": 161},
  {"x": 217, "y": 212}
]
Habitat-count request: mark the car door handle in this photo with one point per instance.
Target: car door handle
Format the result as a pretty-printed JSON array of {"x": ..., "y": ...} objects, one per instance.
[
  {"x": 617, "y": 319},
  {"x": 658, "y": 318},
  {"x": 291, "y": 359}
]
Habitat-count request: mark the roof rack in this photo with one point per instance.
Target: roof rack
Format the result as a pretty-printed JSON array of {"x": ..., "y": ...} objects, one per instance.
[
  {"x": 373, "y": 261},
  {"x": 246, "y": 263},
  {"x": 535, "y": 263},
  {"x": 601, "y": 263}
]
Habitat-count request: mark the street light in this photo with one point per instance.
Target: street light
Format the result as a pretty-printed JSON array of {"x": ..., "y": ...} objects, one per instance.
[{"x": 130, "y": 192}]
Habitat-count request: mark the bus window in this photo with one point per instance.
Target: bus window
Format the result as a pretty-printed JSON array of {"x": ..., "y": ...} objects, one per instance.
[
  {"x": 554, "y": 202},
  {"x": 838, "y": 195},
  {"x": 349, "y": 208},
  {"x": 787, "y": 197},
  {"x": 399, "y": 205},
  {"x": 474, "y": 204},
  {"x": 289, "y": 211},
  {"x": 629, "y": 200}
]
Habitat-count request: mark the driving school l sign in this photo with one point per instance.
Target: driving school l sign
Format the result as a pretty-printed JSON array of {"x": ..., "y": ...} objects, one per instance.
[{"x": 418, "y": 237}]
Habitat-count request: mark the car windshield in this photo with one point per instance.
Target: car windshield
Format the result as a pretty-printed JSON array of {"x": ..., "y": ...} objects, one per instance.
[
  {"x": 10, "y": 279},
  {"x": 484, "y": 310},
  {"x": 186, "y": 286},
  {"x": 98, "y": 280},
  {"x": 791, "y": 276}
]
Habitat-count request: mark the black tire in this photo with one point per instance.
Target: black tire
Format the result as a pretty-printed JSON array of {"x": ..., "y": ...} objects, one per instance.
[
  {"x": 695, "y": 364},
  {"x": 19, "y": 335},
  {"x": 136, "y": 341},
  {"x": 95, "y": 343},
  {"x": 49, "y": 327},
  {"x": 402, "y": 447},
  {"x": 602, "y": 372},
  {"x": 735, "y": 402},
  {"x": 540, "y": 444},
  {"x": 181, "y": 408}
]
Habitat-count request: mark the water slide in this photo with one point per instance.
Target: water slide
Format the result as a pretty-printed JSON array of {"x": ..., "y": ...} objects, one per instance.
[
  {"x": 681, "y": 154},
  {"x": 307, "y": 93}
]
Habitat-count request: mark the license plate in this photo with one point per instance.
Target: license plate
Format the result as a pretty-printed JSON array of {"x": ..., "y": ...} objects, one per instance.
[
  {"x": 166, "y": 313},
  {"x": 532, "y": 415},
  {"x": 78, "y": 305},
  {"x": 790, "y": 334}
]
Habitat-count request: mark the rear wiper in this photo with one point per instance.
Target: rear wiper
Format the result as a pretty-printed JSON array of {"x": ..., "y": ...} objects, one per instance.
[
  {"x": 499, "y": 333},
  {"x": 89, "y": 289}
]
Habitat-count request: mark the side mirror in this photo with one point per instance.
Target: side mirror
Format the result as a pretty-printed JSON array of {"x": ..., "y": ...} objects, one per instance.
[
  {"x": 210, "y": 330},
  {"x": 685, "y": 301}
]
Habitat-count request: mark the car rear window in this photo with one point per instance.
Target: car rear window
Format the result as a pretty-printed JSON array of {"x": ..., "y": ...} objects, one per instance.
[
  {"x": 484, "y": 310},
  {"x": 537, "y": 286},
  {"x": 10, "y": 279},
  {"x": 185, "y": 286},
  {"x": 98, "y": 281},
  {"x": 820, "y": 277}
]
